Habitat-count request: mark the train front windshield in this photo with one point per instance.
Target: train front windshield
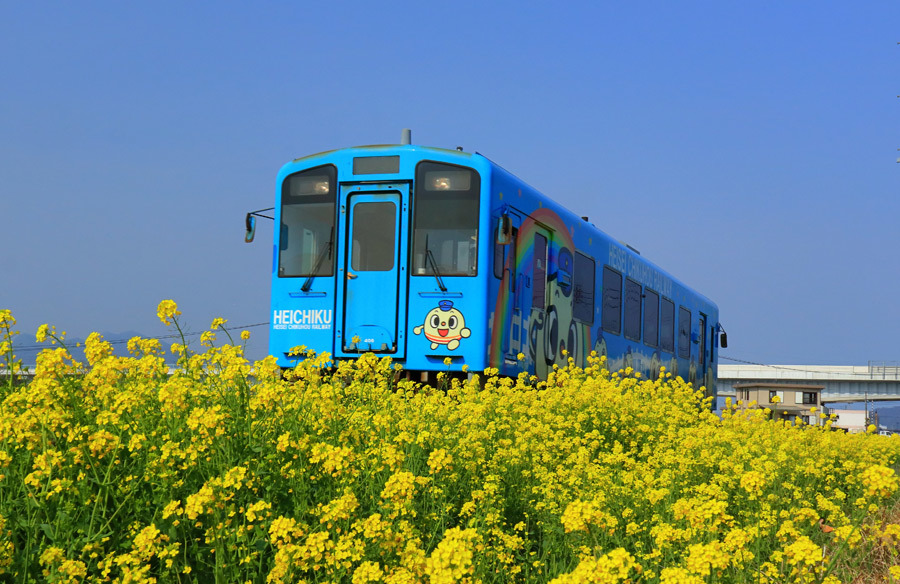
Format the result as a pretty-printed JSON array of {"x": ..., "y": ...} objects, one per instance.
[
  {"x": 446, "y": 220},
  {"x": 307, "y": 223}
]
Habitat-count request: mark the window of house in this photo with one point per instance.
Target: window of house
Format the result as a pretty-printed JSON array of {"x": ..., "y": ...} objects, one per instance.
[{"x": 810, "y": 397}]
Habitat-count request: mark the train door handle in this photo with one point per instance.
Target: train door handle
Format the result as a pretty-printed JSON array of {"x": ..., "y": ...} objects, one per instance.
[{"x": 351, "y": 276}]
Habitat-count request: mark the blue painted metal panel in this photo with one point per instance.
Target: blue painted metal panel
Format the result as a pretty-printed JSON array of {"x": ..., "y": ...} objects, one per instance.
[{"x": 301, "y": 318}]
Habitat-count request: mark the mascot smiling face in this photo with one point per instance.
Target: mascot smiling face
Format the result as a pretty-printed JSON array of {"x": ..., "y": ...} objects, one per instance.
[{"x": 444, "y": 325}]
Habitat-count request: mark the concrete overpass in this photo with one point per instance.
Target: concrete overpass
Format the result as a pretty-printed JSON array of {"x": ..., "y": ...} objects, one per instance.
[{"x": 879, "y": 380}]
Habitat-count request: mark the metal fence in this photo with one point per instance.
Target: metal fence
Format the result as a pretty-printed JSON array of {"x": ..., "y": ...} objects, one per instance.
[{"x": 884, "y": 369}]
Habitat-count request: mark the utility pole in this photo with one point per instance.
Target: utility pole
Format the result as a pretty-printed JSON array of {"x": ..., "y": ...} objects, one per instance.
[{"x": 867, "y": 407}]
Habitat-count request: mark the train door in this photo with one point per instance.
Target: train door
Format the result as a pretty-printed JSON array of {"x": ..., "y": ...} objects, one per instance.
[
  {"x": 514, "y": 340},
  {"x": 373, "y": 270},
  {"x": 539, "y": 329},
  {"x": 706, "y": 354}
]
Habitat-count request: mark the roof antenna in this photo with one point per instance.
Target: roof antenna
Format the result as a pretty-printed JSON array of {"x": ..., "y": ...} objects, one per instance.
[{"x": 406, "y": 137}]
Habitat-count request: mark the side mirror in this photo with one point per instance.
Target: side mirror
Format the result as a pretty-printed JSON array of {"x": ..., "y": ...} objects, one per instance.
[
  {"x": 723, "y": 340},
  {"x": 250, "y": 224},
  {"x": 504, "y": 230}
]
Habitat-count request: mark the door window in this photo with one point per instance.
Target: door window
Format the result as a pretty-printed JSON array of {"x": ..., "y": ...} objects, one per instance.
[
  {"x": 540, "y": 271},
  {"x": 374, "y": 236}
]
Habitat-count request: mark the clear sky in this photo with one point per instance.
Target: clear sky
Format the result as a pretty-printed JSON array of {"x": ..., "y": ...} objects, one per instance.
[{"x": 748, "y": 148}]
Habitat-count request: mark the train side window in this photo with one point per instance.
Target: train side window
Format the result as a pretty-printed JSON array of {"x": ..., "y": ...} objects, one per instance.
[
  {"x": 702, "y": 339},
  {"x": 611, "y": 315},
  {"x": 499, "y": 256},
  {"x": 632, "y": 310},
  {"x": 513, "y": 276},
  {"x": 667, "y": 325},
  {"x": 651, "y": 318},
  {"x": 684, "y": 332},
  {"x": 540, "y": 272},
  {"x": 583, "y": 302}
]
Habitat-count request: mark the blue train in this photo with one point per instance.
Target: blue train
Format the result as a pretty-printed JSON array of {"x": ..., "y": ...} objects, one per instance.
[{"x": 425, "y": 254}]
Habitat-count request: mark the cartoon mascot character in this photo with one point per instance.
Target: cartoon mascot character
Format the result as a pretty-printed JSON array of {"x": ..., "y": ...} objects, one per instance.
[{"x": 444, "y": 325}]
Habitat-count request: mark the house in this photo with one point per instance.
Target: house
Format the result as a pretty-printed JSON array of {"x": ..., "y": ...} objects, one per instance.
[
  {"x": 851, "y": 421},
  {"x": 786, "y": 400}
]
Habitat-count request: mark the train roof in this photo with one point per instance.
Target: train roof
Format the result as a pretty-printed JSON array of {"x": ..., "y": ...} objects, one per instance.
[
  {"x": 372, "y": 148},
  {"x": 628, "y": 249}
]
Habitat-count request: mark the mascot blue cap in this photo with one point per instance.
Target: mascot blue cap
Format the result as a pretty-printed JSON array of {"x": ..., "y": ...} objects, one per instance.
[{"x": 445, "y": 305}]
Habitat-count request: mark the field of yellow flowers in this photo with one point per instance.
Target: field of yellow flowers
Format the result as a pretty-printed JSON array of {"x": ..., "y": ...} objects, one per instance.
[{"x": 112, "y": 470}]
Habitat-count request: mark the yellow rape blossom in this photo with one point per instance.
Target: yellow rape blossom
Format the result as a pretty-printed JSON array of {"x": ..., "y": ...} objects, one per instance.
[
  {"x": 675, "y": 575},
  {"x": 439, "y": 459},
  {"x": 120, "y": 469},
  {"x": 879, "y": 481},
  {"x": 610, "y": 568},
  {"x": 452, "y": 559},
  {"x": 367, "y": 572},
  {"x": 167, "y": 311}
]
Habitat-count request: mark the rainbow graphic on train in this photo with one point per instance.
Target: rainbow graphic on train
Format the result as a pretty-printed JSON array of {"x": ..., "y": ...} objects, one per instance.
[{"x": 548, "y": 334}]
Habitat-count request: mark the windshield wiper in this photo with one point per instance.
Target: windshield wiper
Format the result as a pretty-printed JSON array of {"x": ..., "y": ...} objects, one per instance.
[
  {"x": 325, "y": 251},
  {"x": 434, "y": 268}
]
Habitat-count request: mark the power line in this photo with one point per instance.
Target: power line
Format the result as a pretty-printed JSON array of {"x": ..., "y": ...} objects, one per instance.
[
  {"x": 258, "y": 324},
  {"x": 786, "y": 368},
  {"x": 159, "y": 338}
]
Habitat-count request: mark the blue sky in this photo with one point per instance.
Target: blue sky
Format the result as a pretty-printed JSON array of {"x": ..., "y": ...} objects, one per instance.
[{"x": 749, "y": 148}]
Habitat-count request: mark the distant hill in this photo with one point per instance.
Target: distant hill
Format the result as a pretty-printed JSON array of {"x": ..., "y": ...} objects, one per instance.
[
  {"x": 27, "y": 349},
  {"x": 889, "y": 416}
]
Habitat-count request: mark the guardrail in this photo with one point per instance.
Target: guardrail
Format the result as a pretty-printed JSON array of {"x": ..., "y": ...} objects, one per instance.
[{"x": 884, "y": 369}]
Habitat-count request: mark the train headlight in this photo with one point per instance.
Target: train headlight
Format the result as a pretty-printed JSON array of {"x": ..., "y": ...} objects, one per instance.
[
  {"x": 301, "y": 186},
  {"x": 448, "y": 180},
  {"x": 440, "y": 183}
]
